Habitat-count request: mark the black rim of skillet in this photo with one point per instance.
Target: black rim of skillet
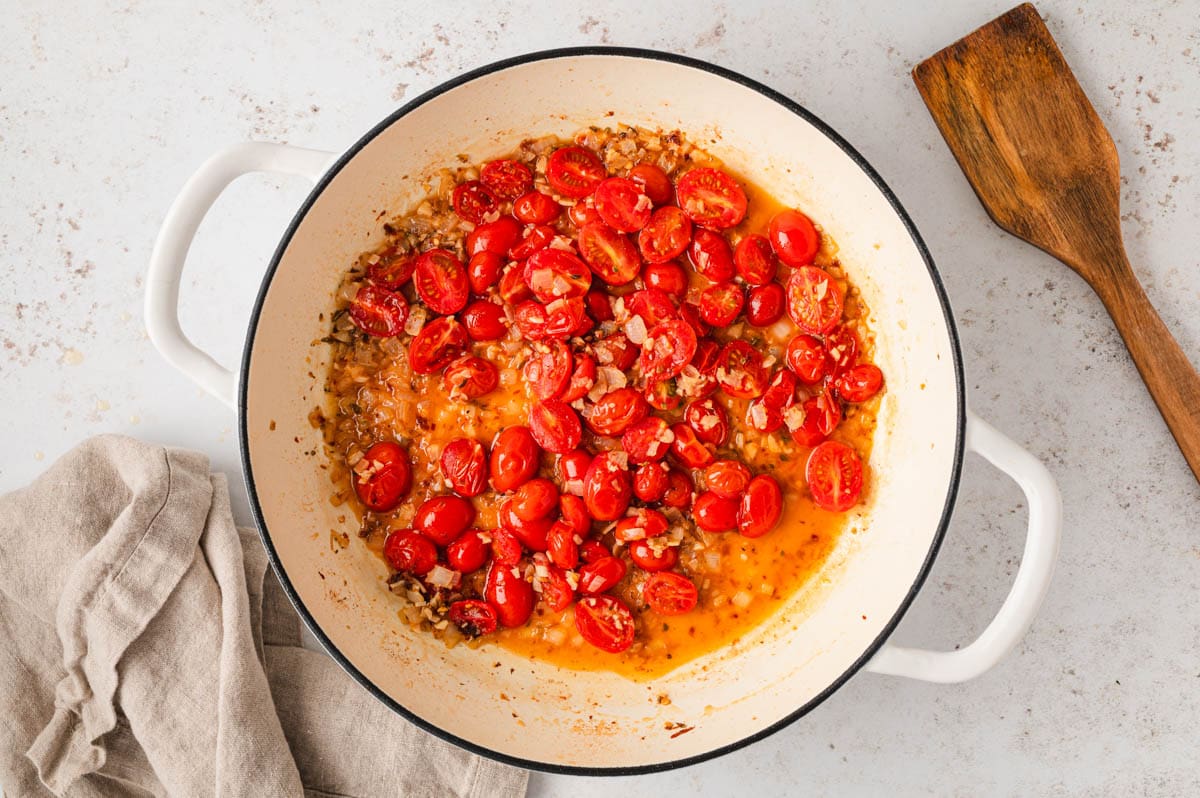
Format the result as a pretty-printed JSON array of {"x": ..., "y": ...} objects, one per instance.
[{"x": 771, "y": 94}]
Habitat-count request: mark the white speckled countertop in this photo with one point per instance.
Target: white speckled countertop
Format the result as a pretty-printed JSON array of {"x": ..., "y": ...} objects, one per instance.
[{"x": 104, "y": 114}]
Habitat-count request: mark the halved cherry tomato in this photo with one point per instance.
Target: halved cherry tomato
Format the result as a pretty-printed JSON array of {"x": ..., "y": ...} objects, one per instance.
[
  {"x": 464, "y": 465},
  {"x": 506, "y": 547},
  {"x": 601, "y": 576},
  {"x": 727, "y": 478},
  {"x": 616, "y": 412},
  {"x": 470, "y": 377},
  {"x": 643, "y": 524},
  {"x": 473, "y": 201},
  {"x": 688, "y": 449},
  {"x": 668, "y": 277},
  {"x": 835, "y": 476},
  {"x": 764, "y": 304},
  {"x": 721, "y": 303},
  {"x": 709, "y": 421},
  {"x": 814, "y": 300},
  {"x": 653, "y": 182},
  {"x": 663, "y": 395},
  {"x": 378, "y": 311},
  {"x": 506, "y": 179},
  {"x": 609, "y": 253},
  {"x": 561, "y": 547},
  {"x": 535, "y": 500},
  {"x": 599, "y": 306},
  {"x": 711, "y": 256},
  {"x": 386, "y": 478},
  {"x": 444, "y": 518},
  {"x": 651, "y": 557},
  {"x": 441, "y": 281},
  {"x": 498, "y": 236},
  {"x": 711, "y": 198},
  {"x": 467, "y": 553},
  {"x": 740, "y": 370},
  {"x": 607, "y": 487},
  {"x": 650, "y": 481},
  {"x": 548, "y": 369},
  {"x": 622, "y": 205},
  {"x": 841, "y": 349},
  {"x": 653, "y": 305},
  {"x": 555, "y": 273},
  {"x": 669, "y": 346},
  {"x": 509, "y": 594},
  {"x": 567, "y": 317},
  {"x": 392, "y": 270},
  {"x": 690, "y": 313},
  {"x": 680, "y": 489},
  {"x": 665, "y": 236},
  {"x": 859, "y": 383},
  {"x": 806, "y": 358},
  {"x": 616, "y": 351},
  {"x": 755, "y": 261},
  {"x": 531, "y": 320},
  {"x": 593, "y": 550},
  {"x": 473, "y": 617},
  {"x": 794, "y": 238},
  {"x": 534, "y": 207},
  {"x": 484, "y": 270},
  {"x": 761, "y": 506},
  {"x": 669, "y": 593},
  {"x": 781, "y": 390},
  {"x": 485, "y": 321},
  {"x": 583, "y": 213},
  {"x": 438, "y": 343},
  {"x": 574, "y": 171},
  {"x": 537, "y": 237},
  {"x": 557, "y": 593},
  {"x": 821, "y": 417},
  {"x": 763, "y": 417},
  {"x": 532, "y": 534},
  {"x": 409, "y": 553},
  {"x": 715, "y": 513},
  {"x": 573, "y": 512},
  {"x": 605, "y": 622},
  {"x": 648, "y": 440},
  {"x": 582, "y": 378},
  {"x": 515, "y": 458},
  {"x": 573, "y": 465},
  {"x": 555, "y": 426},
  {"x": 698, "y": 379}
]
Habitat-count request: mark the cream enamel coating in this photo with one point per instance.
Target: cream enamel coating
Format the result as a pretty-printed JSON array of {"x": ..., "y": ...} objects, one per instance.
[{"x": 538, "y": 713}]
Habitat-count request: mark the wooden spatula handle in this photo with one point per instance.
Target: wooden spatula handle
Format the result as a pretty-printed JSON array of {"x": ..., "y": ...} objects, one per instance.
[{"x": 1172, "y": 380}]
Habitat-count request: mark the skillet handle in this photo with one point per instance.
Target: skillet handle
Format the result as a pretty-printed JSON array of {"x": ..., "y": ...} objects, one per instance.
[
  {"x": 1029, "y": 588},
  {"x": 175, "y": 238}
]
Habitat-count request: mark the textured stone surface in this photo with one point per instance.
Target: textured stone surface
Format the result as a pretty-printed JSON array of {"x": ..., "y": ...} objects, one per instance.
[{"x": 104, "y": 114}]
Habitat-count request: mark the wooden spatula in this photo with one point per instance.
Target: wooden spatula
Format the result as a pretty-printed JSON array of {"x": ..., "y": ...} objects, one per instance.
[{"x": 1046, "y": 170}]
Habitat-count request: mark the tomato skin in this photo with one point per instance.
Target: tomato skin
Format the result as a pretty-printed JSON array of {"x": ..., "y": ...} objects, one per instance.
[
  {"x": 378, "y": 311},
  {"x": 711, "y": 256},
  {"x": 616, "y": 351},
  {"x": 607, "y": 488},
  {"x": 506, "y": 547},
  {"x": 642, "y": 525},
  {"x": 821, "y": 417},
  {"x": 484, "y": 270},
  {"x": 473, "y": 617},
  {"x": 485, "y": 321},
  {"x": 548, "y": 369},
  {"x": 536, "y": 238},
  {"x": 689, "y": 449},
  {"x": 599, "y": 306},
  {"x": 467, "y": 553},
  {"x": 814, "y": 300},
  {"x": 441, "y": 281},
  {"x": 510, "y": 595},
  {"x": 583, "y": 377},
  {"x": 669, "y": 593},
  {"x": 616, "y": 412},
  {"x": 714, "y": 513},
  {"x": 535, "y": 499},
  {"x": 835, "y": 476},
  {"x": 669, "y": 346},
  {"x": 557, "y": 593},
  {"x": 860, "y": 383},
  {"x": 566, "y": 317},
  {"x": 531, "y": 320},
  {"x": 666, "y": 236},
  {"x": 554, "y": 273},
  {"x": 470, "y": 377},
  {"x": 532, "y": 534},
  {"x": 727, "y": 478},
  {"x": 443, "y": 518},
  {"x": 740, "y": 370},
  {"x": 601, "y": 576},
  {"x": 653, "y": 182},
  {"x": 409, "y": 553},
  {"x": 389, "y": 481},
  {"x": 648, "y": 440},
  {"x": 806, "y": 358},
  {"x": 561, "y": 547},
  {"x": 610, "y": 254},
  {"x": 584, "y": 213},
  {"x": 573, "y": 465},
  {"x": 668, "y": 277},
  {"x": 605, "y": 622},
  {"x": 653, "y": 305},
  {"x": 755, "y": 260},
  {"x": 650, "y": 482},
  {"x": 794, "y": 238},
  {"x": 472, "y": 201},
  {"x": 761, "y": 507},
  {"x": 555, "y": 426},
  {"x": 841, "y": 349},
  {"x": 781, "y": 390},
  {"x": 515, "y": 458},
  {"x": 765, "y": 304},
  {"x": 647, "y": 558},
  {"x": 708, "y": 421},
  {"x": 534, "y": 207},
  {"x": 711, "y": 198},
  {"x": 663, "y": 395},
  {"x": 574, "y": 171},
  {"x": 506, "y": 178},
  {"x": 498, "y": 237},
  {"x": 393, "y": 269},
  {"x": 680, "y": 489},
  {"x": 573, "y": 512},
  {"x": 622, "y": 205},
  {"x": 721, "y": 303},
  {"x": 464, "y": 466}
]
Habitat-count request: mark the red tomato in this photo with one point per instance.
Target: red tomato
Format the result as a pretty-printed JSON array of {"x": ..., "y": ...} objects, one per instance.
[
  {"x": 642, "y": 525},
  {"x": 679, "y": 489},
  {"x": 467, "y": 553},
  {"x": 601, "y": 576},
  {"x": 689, "y": 449},
  {"x": 721, "y": 303},
  {"x": 566, "y": 317},
  {"x": 472, "y": 201},
  {"x": 386, "y": 478},
  {"x": 584, "y": 213},
  {"x": 574, "y": 171},
  {"x": 755, "y": 261},
  {"x": 663, "y": 395},
  {"x": 650, "y": 482},
  {"x": 841, "y": 349},
  {"x": 555, "y": 426},
  {"x": 616, "y": 412},
  {"x": 599, "y": 306},
  {"x": 690, "y": 313},
  {"x": 464, "y": 465},
  {"x": 473, "y": 617},
  {"x": 709, "y": 421},
  {"x": 506, "y": 547},
  {"x": 498, "y": 237},
  {"x": 441, "y": 281},
  {"x": 763, "y": 417},
  {"x": 582, "y": 379},
  {"x": 781, "y": 391},
  {"x": 470, "y": 377},
  {"x": 532, "y": 534},
  {"x": 835, "y": 476},
  {"x": 409, "y": 553},
  {"x": 534, "y": 207},
  {"x": 806, "y": 358},
  {"x": 537, "y": 237},
  {"x": 593, "y": 550},
  {"x": 535, "y": 500},
  {"x": 653, "y": 182},
  {"x": 548, "y": 369},
  {"x": 665, "y": 236},
  {"x": 515, "y": 458},
  {"x": 561, "y": 547},
  {"x": 485, "y": 321},
  {"x": 764, "y": 304},
  {"x": 605, "y": 622},
  {"x": 821, "y": 417},
  {"x": 530, "y": 318},
  {"x": 668, "y": 277},
  {"x": 509, "y": 594},
  {"x": 444, "y": 518},
  {"x": 609, "y": 253},
  {"x": 727, "y": 478},
  {"x": 698, "y": 380},
  {"x": 860, "y": 383},
  {"x": 669, "y": 593},
  {"x": 740, "y": 371},
  {"x": 484, "y": 270},
  {"x": 711, "y": 198},
  {"x": 714, "y": 513},
  {"x": 648, "y": 440},
  {"x": 392, "y": 270},
  {"x": 653, "y": 305},
  {"x": 711, "y": 256},
  {"x": 622, "y": 205},
  {"x": 616, "y": 351},
  {"x": 379, "y": 312},
  {"x": 761, "y": 506},
  {"x": 438, "y": 342},
  {"x": 669, "y": 346},
  {"x": 651, "y": 557},
  {"x": 573, "y": 511},
  {"x": 555, "y": 273},
  {"x": 573, "y": 465},
  {"x": 506, "y": 179},
  {"x": 794, "y": 238},
  {"x": 814, "y": 300},
  {"x": 607, "y": 487},
  {"x": 557, "y": 593}
]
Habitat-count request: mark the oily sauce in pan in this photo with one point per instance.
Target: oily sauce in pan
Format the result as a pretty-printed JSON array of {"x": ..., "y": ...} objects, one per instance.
[{"x": 426, "y": 441}]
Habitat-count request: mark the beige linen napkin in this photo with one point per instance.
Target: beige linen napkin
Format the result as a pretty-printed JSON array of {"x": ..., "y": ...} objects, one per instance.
[{"x": 145, "y": 649}]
